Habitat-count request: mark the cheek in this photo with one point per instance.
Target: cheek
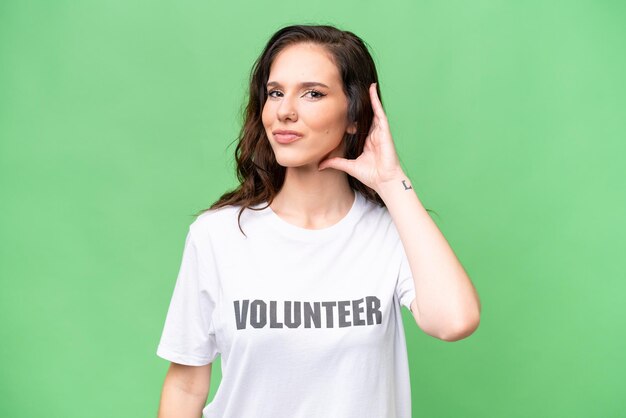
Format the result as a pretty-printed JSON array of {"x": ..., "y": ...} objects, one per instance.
[
  {"x": 320, "y": 119},
  {"x": 266, "y": 115},
  {"x": 327, "y": 122}
]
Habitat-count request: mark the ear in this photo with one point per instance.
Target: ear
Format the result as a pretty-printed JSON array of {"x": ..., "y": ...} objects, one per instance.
[{"x": 351, "y": 128}]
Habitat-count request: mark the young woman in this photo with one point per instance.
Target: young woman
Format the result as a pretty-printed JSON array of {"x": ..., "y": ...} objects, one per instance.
[{"x": 297, "y": 277}]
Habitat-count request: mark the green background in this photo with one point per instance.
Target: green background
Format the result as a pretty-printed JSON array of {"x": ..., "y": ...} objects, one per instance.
[{"x": 116, "y": 124}]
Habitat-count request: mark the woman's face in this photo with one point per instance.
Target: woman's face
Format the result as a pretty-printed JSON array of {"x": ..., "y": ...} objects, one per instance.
[{"x": 305, "y": 95}]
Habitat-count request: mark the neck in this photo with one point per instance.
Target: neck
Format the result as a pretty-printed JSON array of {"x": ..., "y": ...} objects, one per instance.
[{"x": 313, "y": 199}]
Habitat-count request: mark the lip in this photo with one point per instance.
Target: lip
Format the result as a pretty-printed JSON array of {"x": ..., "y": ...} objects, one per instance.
[{"x": 285, "y": 137}]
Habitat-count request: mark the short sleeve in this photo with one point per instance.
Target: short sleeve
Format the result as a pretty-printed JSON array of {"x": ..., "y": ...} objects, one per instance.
[
  {"x": 405, "y": 288},
  {"x": 188, "y": 337}
]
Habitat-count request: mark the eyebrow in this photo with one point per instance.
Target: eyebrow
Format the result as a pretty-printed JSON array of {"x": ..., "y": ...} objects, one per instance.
[{"x": 303, "y": 84}]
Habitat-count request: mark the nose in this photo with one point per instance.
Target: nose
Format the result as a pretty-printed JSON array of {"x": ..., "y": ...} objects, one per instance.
[{"x": 287, "y": 110}]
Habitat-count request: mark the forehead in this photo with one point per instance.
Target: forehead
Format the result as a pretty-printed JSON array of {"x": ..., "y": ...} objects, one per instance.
[{"x": 304, "y": 62}]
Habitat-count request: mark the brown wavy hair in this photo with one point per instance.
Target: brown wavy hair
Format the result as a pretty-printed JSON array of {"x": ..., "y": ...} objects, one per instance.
[{"x": 260, "y": 176}]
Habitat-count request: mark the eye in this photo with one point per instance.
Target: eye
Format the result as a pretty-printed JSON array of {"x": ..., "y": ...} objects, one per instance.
[{"x": 316, "y": 94}]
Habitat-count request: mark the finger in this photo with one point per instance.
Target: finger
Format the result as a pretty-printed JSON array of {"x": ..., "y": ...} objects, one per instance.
[
  {"x": 337, "y": 163},
  {"x": 374, "y": 125},
  {"x": 376, "y": 104}
]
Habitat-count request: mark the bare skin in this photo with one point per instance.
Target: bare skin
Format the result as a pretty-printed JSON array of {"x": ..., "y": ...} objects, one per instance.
[
  {"x": 308, "y": 198},
  {"x": 185, "y": 391},
  {"x": 316, "y": 194}
]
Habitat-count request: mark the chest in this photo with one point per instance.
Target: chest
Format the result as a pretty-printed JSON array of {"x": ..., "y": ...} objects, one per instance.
[{"x": 287, "y": 299}]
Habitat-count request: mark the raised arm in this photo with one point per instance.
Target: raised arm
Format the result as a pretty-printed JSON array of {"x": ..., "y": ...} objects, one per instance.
[{"x": 446, "y": 304}]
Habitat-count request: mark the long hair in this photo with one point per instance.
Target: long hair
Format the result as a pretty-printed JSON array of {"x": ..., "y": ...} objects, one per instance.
[{"x": 260, "y": 176}]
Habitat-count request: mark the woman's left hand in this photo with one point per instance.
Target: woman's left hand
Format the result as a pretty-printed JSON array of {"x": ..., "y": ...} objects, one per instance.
[{"x": 379, "y": 161}]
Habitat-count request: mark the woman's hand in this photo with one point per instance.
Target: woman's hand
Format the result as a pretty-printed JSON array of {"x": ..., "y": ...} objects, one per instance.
[{"x": 379, "y": 161}]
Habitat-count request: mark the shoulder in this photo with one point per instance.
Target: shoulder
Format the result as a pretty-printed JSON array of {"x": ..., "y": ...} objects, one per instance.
[
  {"x": 373, "y": 207},
  {"x": 373, "y": 211},
  {"x": 213, "y": 221},
  {"x": 222, "y": 223},
  {"x": 378, "y": 217}
]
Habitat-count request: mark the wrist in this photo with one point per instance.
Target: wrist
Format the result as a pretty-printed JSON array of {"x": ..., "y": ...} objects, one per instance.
[
  {"x": 394, "y": 179},
  {"x": 397, "y": 183}
]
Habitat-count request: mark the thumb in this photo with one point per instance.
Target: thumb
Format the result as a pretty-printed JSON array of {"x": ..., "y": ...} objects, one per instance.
[{"x": 337, "y": 163}]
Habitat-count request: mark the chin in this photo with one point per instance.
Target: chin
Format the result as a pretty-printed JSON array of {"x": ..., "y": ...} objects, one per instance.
[{"x": 292, "y": 161}]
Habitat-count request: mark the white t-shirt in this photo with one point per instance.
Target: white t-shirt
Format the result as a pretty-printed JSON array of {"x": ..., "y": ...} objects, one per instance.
[{"x": 307, "y": 321}]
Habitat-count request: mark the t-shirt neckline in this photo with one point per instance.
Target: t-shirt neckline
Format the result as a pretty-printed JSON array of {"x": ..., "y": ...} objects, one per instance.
[{"x": 322, "y": 234}]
